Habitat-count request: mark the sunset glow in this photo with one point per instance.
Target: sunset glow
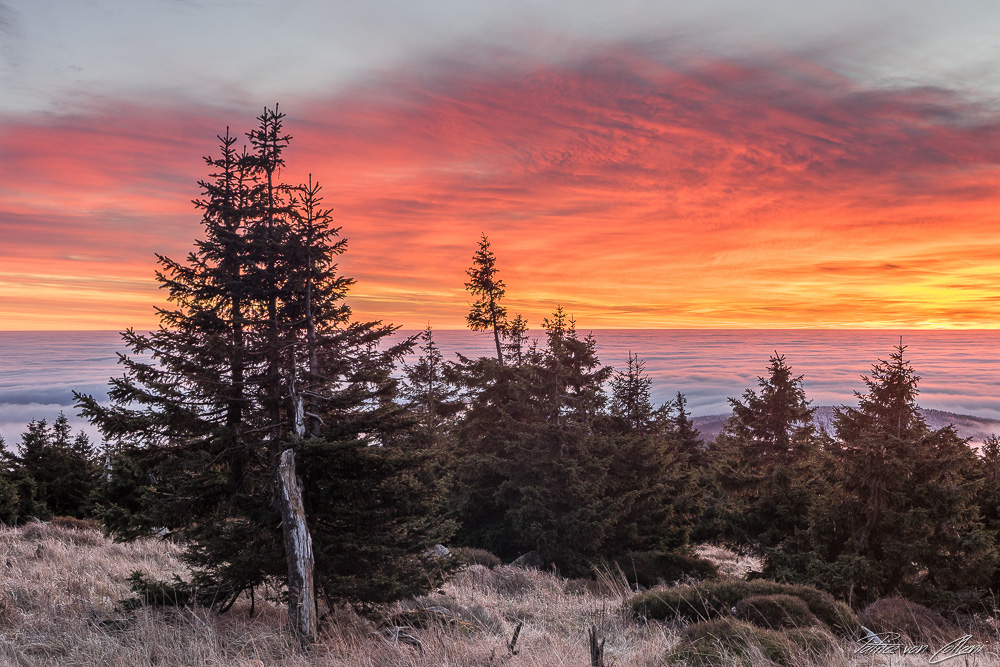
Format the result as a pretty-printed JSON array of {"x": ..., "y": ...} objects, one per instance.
[{"x": 634, "y": 190}]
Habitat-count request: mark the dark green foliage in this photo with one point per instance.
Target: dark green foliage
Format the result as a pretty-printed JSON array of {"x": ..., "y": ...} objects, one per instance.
[
  {"x": 10, "y": 500},
  {"x": 630, "y": 397},
  {"x": 544, "y": 462},
  {"x": 429, "y": 394},
  {"x": 687, "y": 436},
  {"x": 487, "y": 313},
  {"x": 152, "y": 593},
  {"x": 651, "y": 474},
  {"x": 762, "y": 464},
  {"x": 54, "y": 473},
  {"x": 126, "y": 493},
  {"x": 901, "y": 510},
  {"x": 708, "y": 600},
  {"x": 258, "y": 355},
  {"x": 375, "y": 517},
  {"x": 775, "y": 611},
  {"x": 530, "y": 474},
  {"x": 989, "y": 494},
  {"x": 541, "y": 466},
  {"x": 472, "y": 556},
  {"x": 650, "y": 568},
  {"x": 727, "y": 642}
]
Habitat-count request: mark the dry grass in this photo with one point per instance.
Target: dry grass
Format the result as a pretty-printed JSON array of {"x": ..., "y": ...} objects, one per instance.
[
  {"x": 61, "y": 586},
  {"x": 729, "y": 562}
]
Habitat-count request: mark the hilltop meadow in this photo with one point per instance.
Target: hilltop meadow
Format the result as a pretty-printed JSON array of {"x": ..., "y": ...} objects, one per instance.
[{"x": 61, "y": 603}]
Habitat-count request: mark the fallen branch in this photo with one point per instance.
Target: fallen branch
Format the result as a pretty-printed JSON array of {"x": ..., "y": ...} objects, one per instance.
[
  {"x": 513, "y": 640},
  {"x": 596, "y": 649}
]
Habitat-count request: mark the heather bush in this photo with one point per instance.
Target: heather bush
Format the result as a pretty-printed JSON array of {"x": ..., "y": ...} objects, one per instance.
[
  {"x": 775, "y": 611},
  {"x": 710, "y": 600},
  {"x": 727, "y": 641},
  {"x": 915, "y": 622},
  {"x": 472, "y": 556}
]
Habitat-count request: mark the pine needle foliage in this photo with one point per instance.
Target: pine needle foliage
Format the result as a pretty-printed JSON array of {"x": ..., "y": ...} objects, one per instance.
[{"x": 258, "y": 354}]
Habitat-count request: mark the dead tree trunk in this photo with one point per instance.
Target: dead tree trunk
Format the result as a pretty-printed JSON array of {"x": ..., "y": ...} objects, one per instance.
[{"x": 302, "y": 614}]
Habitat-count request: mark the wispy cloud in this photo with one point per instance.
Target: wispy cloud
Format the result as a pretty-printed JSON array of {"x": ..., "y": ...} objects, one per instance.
[{"x": 642, "y": 189}]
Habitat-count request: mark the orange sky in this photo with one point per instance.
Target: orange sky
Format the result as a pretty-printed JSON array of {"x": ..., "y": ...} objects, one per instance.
[{"x": 636, "y": 192}]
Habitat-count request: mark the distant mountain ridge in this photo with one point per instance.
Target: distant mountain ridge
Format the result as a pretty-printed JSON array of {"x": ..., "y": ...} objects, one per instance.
[{"x": 967, "y": 426}]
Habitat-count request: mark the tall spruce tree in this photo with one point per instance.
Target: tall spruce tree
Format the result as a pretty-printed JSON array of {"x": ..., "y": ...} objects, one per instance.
[
  {"x": 258, "y": 401},
  {"x": 630, "y": 396},
  {"x": 687, "y": 435},
  {"x": 486, "y": 312},
  {"x": 989, "y": 495}
]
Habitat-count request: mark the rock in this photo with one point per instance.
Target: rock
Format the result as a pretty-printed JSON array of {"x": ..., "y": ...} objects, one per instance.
[
  {"x": 529, "y": 561},
  {"x": 438, "y": 551},
  {"x": 399, "y": 634}
]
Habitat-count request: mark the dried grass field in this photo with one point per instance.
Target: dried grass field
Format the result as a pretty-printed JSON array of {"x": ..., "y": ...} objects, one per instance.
[{"x": 62, "y": 587}]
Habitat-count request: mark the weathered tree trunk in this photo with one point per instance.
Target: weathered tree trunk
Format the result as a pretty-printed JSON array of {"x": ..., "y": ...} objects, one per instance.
[{"x": 302, "y": 614}]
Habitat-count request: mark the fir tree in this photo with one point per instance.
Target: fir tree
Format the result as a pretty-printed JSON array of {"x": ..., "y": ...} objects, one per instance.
[
  {"x": 989, "y": 495},
  {"x": 762, "y": 463},
  {"x": 630, "y": 396},
  {"x": 516, "y": 340},
  {"x": 688, "y": 436},
  {"x": 487, "y": 313},
  {"x": 58, "y": 472},
  {"x": 428, "y": 390},
  {"x": 652, "y": 482},
  {"x": 9, "y": 499},
  {"x": 259, "y": 402},
  {"x": 901, "y": 512}
]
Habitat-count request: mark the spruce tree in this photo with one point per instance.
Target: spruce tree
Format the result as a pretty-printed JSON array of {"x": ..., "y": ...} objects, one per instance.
[
  {"x": 762, "y": 463},
  {"x": 688, "y": 436},
  {"x": 9, "y": 498},
  {"x": 428, "y": 389},
  {"x": 989, "y": 495},
  {"x": 531, "y": 472},
  {"x": 630, "y": 396},
  {"x": 652, "y": 482},
  {"x": 487, "y": 313},
  {"x": 259, "y": 403},
  {"x": 57, "y": 471},
  {"x": 901, "y": 512}
]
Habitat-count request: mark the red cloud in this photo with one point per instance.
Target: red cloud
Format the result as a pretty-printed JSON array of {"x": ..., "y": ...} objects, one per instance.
[{"x": 643, "y": 192}]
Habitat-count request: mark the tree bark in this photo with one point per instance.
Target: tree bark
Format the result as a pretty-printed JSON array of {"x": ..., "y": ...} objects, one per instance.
[{"x": 302, "y": 614}]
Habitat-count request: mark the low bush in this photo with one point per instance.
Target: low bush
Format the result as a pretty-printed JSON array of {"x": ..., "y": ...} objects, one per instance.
[
  {"x": 775, "y": 611},
  {"x": 466, "y": 556},
  {"x": 914, "y": 621},
  {"x": 709, "y": 600},
  {"x": 727, "y": 641},
  {"x": 815, "y": 642}
]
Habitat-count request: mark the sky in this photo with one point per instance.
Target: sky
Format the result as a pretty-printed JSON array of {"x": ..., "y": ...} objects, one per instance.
[{"x": 643, "y": 164}]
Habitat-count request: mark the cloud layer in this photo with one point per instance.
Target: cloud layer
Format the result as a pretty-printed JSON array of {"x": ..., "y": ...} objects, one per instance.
[{"x": 637, "y": 190}]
